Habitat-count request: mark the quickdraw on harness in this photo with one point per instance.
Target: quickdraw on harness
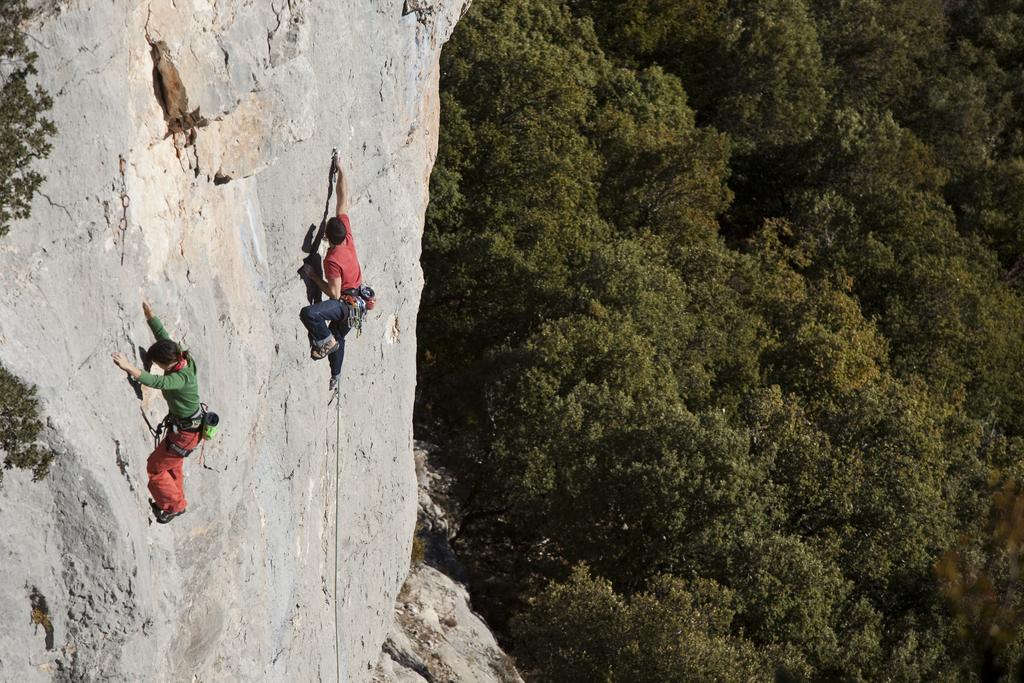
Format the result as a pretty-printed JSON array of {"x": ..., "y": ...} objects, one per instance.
[{"x": 359, "y": 299}]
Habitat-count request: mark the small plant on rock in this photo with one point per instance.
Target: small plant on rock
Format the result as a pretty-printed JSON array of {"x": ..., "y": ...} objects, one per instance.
[
  {"x": 419, "y": 547},
  {"x": 20, "y": 426}
]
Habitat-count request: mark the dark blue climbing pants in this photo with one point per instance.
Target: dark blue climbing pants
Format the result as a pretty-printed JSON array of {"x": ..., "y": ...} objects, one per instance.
[
  {"x": 317, "y": 317},
  {"x": 338, "y": 355}
]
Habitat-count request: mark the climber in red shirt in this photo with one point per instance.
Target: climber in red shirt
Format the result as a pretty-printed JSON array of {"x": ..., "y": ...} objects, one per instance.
[{"x": 342, "y": 283}]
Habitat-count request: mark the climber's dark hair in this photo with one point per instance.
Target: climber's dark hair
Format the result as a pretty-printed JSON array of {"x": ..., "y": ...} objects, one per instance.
[
  {"x": 336, "y": 232},
  {"x": 165, "y": 351}
]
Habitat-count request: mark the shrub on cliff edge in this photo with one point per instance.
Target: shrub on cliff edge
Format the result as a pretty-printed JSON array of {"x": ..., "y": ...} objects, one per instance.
[
  {"x": 20, "y": 426},
  {"x": 24, "y": 132}
]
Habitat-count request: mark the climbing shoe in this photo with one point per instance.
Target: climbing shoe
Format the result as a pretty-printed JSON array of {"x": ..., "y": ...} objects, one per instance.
[
  {"x": 164, "y": 516},
  {"x": 332, "y": 386},
  {"x": 329, "y": 347}
]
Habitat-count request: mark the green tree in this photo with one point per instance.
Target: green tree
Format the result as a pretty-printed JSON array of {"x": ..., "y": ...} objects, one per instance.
[
  {"x": 661, "y": 172},
  {"x": 775, "y": 94},
  {"x": 688, "y": 38},
  {"x": 990, "y": 33},
  {"x": 582, "y": 630},
  {"x": 980, "y": 578},
  {"x": 24, "y": 136},
  {"x": 803, "y": 414},
  {"x": 533, "y": 186},
  {"x": 882, "y": 54},
  {"x": 20, "y": 427},
  {"x": 24, "y": 131},
  {"x": 939, "y": 296},
  {"x": 522, "y": 175}
]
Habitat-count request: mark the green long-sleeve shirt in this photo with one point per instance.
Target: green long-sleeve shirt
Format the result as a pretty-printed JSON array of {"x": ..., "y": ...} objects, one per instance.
[{"x": 180, "y": 388}]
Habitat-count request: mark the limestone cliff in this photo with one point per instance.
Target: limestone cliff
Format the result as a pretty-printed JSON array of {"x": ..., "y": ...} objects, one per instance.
[{"x": 225, "y": 112}]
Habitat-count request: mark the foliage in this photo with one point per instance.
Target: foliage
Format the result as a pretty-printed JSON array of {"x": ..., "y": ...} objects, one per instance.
[
  {"x": 581, "y": 630},
  {"x": 24, "y": 130},
  {"x": 981, "y": 585},
  {"x": 24, "y": 135},
  {"x": 419, "y": 548},
  {"x": 724, "y": 302},
  {"x": 20, "y": 427}
]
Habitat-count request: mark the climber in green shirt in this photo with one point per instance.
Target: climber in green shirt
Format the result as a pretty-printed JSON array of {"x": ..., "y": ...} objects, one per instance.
[{"x": 180, "y": 389}]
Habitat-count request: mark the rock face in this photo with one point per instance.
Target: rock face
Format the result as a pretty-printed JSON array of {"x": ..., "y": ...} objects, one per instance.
[
  {"x": 436, "y": 636},
  {"x": 225, "y": 112}
]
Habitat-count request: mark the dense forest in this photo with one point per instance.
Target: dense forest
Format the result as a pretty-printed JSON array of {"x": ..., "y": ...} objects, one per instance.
[{"x": 723, "y": 335}]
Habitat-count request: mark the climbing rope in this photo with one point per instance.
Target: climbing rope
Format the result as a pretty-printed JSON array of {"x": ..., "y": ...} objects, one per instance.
[
  {"x": 202, "y": 458},
  {"x": 313, "y": 246},
  {"x": 125, "y": 201},
  {"x": 336, "y": 399},
  {"x": 155, "y": 432}
]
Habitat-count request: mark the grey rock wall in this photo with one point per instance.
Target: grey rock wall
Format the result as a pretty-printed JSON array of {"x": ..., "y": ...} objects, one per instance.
[{"x": 242, "y": 586}]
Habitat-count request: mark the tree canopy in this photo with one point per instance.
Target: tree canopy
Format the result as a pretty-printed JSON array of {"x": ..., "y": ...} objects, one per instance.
[{"x": 723, "y": 333}]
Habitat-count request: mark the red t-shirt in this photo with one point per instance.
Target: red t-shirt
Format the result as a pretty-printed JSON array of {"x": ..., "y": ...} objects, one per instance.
[{"x": 342, "y": 262}]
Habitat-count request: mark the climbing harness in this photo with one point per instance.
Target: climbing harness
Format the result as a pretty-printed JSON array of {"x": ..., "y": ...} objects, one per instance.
[
  {"x": 203, "y": 422},
  {"x": 125, "y": 202},
  {"x": 172, "y": 424}
]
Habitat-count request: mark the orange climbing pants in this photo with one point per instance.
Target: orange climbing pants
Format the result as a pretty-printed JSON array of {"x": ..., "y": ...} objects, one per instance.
[{"x": 167, "y": 472}]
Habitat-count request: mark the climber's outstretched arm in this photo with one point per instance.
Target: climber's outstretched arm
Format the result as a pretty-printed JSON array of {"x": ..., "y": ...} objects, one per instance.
[
  {"x": 159, "y": 331},
  {"x": 341, "y": 189},
  {"x": 121, "y": 360}
]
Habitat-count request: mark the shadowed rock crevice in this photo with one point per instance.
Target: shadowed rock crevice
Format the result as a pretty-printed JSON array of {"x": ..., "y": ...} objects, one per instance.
[
  {"x": 41, "y": 615},
  {"x": 170, "y": 93},
  {"x": 122, "y": 464}
]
